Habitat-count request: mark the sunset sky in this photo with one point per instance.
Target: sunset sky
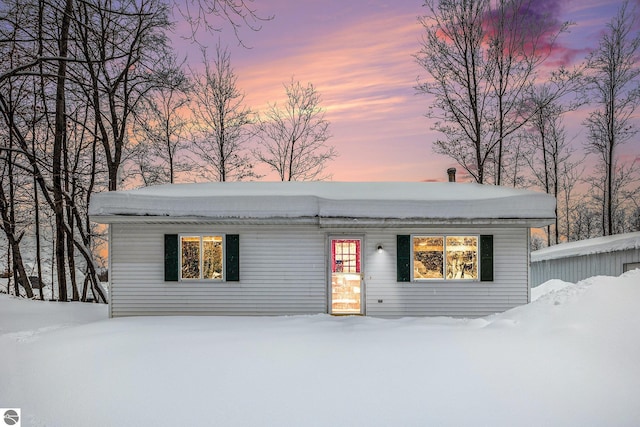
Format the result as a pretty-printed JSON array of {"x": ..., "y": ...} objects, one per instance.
[{"x": 359, "y": 55}]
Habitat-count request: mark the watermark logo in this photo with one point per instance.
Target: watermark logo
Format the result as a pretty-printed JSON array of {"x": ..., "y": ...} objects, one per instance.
[{"x": 10, "y": 417}]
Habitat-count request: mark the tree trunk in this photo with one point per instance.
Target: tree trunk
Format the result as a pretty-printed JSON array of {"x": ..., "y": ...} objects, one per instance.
[
  {"x": 7, "y": 213},
  {"x": 70, "y": 205},
  {"x": 18, "y": 267},
  {"x": 555, "y": 194},
  {"x": 19, "y": 273},
  {"x": 609, "y": 198},
  {"x": 85, "y": 286},
  {"x": 33, "y": 150},
  {"x": 58, "y": 143},
  {"x": 38, "y": 248},
  {"x": 75, "y": 295},
  {"x": 113, "y": 176},
  {"x": 8, "y": 270}
]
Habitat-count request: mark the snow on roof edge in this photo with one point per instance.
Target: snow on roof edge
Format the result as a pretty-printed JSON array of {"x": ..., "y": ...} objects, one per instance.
[
  {"x": 596, "y": 245},
  {"x": 326, "y": 199}
]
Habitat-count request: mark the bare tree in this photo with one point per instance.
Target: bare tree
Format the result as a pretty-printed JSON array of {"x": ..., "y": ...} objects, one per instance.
[
  {"x": 58, "y": 146},
  {"x": 452, "y": 53},
  {"x": 211, "y": 15},
  {"x": 514, "y": 161},
  {"x": 25, "y": 37},
  {"x": 585, "y": 222},
  {"x": 625, "y": 190},
  {"x": 220, "y": 120},
  {"x": 8, "y": 223},
  {"x": 19, "y": 56},
  {"x": 570, "y": 177},
  {"x": 631, "y": 195},
  {"x": 162, "y": 127},
  {"x": 482, "y": 61},
  {"x": 74, "y": 75},
  {"x": 293, "y": 137},
  {"x": 547, "y": 137},
  {"x": 120, "y": 44},
  {"x": 519, "y": 41},
  {"x": 612, "y": 80},
  {"x": 536, "y": 242},
  {"x": 46, "y": 49},
  {"x": 634, "y": 220}
]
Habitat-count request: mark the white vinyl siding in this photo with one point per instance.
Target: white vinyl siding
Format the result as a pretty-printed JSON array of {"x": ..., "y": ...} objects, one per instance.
[
  {"x": 447, "y": 298},
  {"x": 284, "y": 270}
]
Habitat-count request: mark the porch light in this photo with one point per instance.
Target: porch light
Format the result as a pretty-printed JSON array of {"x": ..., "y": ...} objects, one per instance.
[{"x": 379, "y": 248}]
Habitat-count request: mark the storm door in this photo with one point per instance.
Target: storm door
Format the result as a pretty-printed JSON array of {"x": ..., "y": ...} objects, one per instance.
[{"x": 346, "y": 293}]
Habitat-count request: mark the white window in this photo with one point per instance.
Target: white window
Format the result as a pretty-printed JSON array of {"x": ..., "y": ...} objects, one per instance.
[
  {"x": 201, "y": 257},
  {"x": 445, "y": 257}
]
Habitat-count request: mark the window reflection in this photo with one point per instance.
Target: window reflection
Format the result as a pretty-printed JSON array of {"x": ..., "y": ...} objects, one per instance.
[
  {"x": 427, "y": 257},
  {"x": 201, "y": 257},
  {"x": 462, "y": 257},
  {"x": 445, "y": 257},
  {"x": 190, "y": 257}
]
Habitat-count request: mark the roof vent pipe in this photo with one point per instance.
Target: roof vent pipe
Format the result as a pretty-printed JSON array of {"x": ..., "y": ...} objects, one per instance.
[{"x": 452, "y": 174}]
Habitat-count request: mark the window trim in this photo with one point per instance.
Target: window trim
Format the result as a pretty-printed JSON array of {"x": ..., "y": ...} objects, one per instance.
[
  {"x": 444, "y": 259},
  {"x": 223, "y": 257}
]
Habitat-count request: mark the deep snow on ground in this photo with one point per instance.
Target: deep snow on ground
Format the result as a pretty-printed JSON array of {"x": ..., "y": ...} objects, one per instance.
[{"x": 570, "y": 358}]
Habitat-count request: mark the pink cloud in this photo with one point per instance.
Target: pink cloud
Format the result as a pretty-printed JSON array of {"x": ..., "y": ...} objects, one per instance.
[
  {"x": 365, "y": 72},
  {"x": 536, "y": 23},
  {"x": 359, "y": 55}
]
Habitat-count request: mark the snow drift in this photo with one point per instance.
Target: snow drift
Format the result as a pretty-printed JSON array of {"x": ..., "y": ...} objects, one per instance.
[{"x": 570, "y": 358}]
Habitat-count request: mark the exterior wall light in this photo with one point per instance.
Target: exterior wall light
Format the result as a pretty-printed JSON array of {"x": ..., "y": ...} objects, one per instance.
[{"x": 379, "y": 248}]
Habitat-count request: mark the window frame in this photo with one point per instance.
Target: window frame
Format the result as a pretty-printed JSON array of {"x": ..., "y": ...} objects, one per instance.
[
  {"x": 628, "y": 266},
  {"x": 223, "y": 256},
  {"x": 444, "y": 258}
]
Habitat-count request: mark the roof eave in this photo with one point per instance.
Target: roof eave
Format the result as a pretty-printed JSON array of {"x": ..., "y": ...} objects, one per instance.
[
  {"x": 325, "y": 222},
  {"x": 166, "y": 219},
  {"x": 330, "y": 222}
]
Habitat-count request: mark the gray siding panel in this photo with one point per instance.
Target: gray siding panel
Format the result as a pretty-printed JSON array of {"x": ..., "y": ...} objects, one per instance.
[
  {"x": 434, "y": 298},
  {"x": 284, "y": 270}
]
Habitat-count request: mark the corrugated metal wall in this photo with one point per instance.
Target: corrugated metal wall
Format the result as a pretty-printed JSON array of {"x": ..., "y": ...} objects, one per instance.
[
  {"x": 575, "y": 268},
  {"x": 284, "y": 270}
]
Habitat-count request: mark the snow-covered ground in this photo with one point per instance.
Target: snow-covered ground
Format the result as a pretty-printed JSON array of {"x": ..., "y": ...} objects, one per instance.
[{"x": 570, "y": 358}]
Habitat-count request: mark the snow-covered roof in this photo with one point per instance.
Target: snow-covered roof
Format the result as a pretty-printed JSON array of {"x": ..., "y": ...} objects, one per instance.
[
  {"x": 617, "y": 242},
  {"x": 444, "y": 201}
]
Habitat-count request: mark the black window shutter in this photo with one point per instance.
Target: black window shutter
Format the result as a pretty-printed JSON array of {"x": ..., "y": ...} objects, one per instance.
[
  {"x": 403, "y": 256},
  {"x": 170, "y": 257},
  {"x": 486, "y": 258},
  {"x": 232, "y": 261}
]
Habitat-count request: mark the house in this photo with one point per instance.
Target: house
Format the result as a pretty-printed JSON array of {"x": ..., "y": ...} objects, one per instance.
[
  {"x": 387, "y": 249},
  {"x": 575, "y": 261}
]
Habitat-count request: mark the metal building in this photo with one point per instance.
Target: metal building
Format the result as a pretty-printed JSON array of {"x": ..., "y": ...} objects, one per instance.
[{"x": 575, "y": 261}]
